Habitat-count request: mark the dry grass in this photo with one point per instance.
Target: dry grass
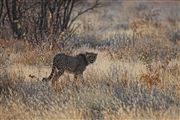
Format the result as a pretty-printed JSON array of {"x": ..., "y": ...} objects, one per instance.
[{"x": 112, "y": 91}]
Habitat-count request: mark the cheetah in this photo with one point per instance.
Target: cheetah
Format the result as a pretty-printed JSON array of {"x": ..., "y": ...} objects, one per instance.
[{"x": 72, "y": 64}]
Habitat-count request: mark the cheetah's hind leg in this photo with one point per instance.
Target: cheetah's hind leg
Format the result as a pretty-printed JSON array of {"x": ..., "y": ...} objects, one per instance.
[{"x": 56, "y": 77}]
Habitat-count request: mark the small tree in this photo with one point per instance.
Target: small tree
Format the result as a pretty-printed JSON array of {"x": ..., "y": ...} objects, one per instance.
[{"x": 57, "y": 16}]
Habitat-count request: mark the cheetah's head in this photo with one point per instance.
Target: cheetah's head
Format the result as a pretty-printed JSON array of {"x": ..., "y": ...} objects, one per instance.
[{"x": 91, "y": 57}]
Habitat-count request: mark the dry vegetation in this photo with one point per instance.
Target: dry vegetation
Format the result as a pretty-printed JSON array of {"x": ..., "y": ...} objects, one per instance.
[{"x": 136, "y": 75}]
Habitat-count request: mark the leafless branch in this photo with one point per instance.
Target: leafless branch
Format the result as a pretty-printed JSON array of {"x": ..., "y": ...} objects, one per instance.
[{"x": 96, "y": 4}]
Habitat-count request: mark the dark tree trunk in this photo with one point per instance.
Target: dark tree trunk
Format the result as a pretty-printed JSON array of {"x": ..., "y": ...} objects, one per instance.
[{"x": 14, "y": 19}]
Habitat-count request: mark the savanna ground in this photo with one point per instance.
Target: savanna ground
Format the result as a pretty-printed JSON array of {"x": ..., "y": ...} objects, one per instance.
[{"x": 136, "y": 74}]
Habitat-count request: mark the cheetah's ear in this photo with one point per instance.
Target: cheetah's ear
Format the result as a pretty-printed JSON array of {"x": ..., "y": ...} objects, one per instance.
[
  {"x": 90, "y": 54},
  {"x": 87, "y": 54}
]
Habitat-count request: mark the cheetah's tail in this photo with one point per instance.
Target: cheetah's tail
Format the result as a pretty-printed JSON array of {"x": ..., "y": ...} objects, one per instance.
[{"x": 51, "y": 75}]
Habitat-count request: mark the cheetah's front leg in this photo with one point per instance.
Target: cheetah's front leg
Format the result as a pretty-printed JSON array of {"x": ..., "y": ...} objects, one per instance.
[{"x": 78, "y": 78}]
